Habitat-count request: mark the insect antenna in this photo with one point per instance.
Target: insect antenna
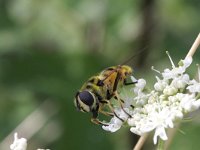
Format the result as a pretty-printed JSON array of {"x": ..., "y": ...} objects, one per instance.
[
  {"x": 133, "y": 56},
  {"x": 128, "y": 60}
]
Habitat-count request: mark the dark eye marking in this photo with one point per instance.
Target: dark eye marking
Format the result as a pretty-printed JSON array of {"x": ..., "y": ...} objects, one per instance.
[
  {"x": 86, "y": 97},
  {"x": 88, "y": 86},
  {"x": 91, "y": 81},
  {"x": 110, "y": 69},
  {"x": 100, "y": 83},
  {"x": 77, "y": 103},
  {"x": 98, "y": 96},
  {"x": 83, "y": 109}
]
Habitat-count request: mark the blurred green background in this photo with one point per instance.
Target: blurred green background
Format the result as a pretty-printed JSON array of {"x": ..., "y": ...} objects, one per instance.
[{"x": 48, "y": 49}]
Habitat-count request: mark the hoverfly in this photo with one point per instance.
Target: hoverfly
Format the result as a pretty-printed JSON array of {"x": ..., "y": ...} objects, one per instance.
[{"x": 97, "y": 92}]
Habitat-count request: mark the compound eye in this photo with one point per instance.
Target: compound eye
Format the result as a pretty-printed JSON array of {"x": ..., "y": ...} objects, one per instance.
[{"x": 86, "y": 97}]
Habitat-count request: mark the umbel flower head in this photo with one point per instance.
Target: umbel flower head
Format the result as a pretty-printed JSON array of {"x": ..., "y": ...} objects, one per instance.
[{"x": 174, "y": 95}]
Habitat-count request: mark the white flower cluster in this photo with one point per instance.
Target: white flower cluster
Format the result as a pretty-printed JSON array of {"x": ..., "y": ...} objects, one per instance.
[
  {"x": 20, "y": 144},
  {"x": 174, "y": 95}
]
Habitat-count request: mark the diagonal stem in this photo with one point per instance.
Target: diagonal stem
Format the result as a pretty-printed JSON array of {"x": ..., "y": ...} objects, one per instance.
[
  {"x": 194, "y": 47},
  {"x": 190, "y": 53},
  {"x": 141, "y": 142},
  {"x": 160, "y": 144}
]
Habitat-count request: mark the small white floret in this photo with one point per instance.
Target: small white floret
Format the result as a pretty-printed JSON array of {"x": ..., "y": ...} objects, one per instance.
[{"x": 18, "y": 144}]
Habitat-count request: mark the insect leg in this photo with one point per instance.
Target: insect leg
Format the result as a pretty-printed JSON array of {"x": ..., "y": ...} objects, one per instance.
[
  {"x": 109, "y": 95},
  {"x": 95, "y": 120},
  {"x": 116, "y": 96},
  {"x": 106, "y": 113},
  {"x": 107, "y": 102},
  {"x": 103, "y": 111},
  {"x": 126, "y": 83},
  {"x": 121, "y": 104},
  {"x": 122, "y": 101},
  {"x": 112, "y": 109}
]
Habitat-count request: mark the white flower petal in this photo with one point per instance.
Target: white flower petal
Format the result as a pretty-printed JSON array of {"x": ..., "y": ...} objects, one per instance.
[
  {"x": 133, "y": 79},
  {"x": 160, "y": 84},
  {"x": 194, "y": 86},
  {"x": 187, "y": 61},
  {"x": 141, "y": 83},
  {"x": 135, "y": 130},
  {"x": 180, "y": 82},
  {"x": 139, "y": 86},
  {"x": 112, "y": 127},
  {"x": 148, "y": 127},
  {"x": 170, "y": 90},
  {"x": 168, "y": 74},
  {"x": 160, "y": 131},
  {"x": 197, "y": 103}
]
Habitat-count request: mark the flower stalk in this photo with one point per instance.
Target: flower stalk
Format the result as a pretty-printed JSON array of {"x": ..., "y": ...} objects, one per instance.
[
  {"x": 141, "y": 142},
  {"x": 194, "y": 47},
  {"x": 161, "y": 144}
]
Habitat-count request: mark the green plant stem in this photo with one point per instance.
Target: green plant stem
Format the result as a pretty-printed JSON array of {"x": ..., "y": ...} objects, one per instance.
[{"x": 161, "y": 144}]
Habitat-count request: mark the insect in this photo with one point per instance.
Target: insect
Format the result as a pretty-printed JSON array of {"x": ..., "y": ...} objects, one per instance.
[{"x": 98, "y": 91}]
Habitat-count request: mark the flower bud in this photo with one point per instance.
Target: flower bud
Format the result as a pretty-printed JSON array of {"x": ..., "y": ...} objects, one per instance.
[{"x": 170, "y": 90}]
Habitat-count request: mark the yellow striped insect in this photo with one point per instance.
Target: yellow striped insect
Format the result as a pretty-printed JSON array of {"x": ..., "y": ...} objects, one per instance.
[{"x": 97, "y": 92}]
